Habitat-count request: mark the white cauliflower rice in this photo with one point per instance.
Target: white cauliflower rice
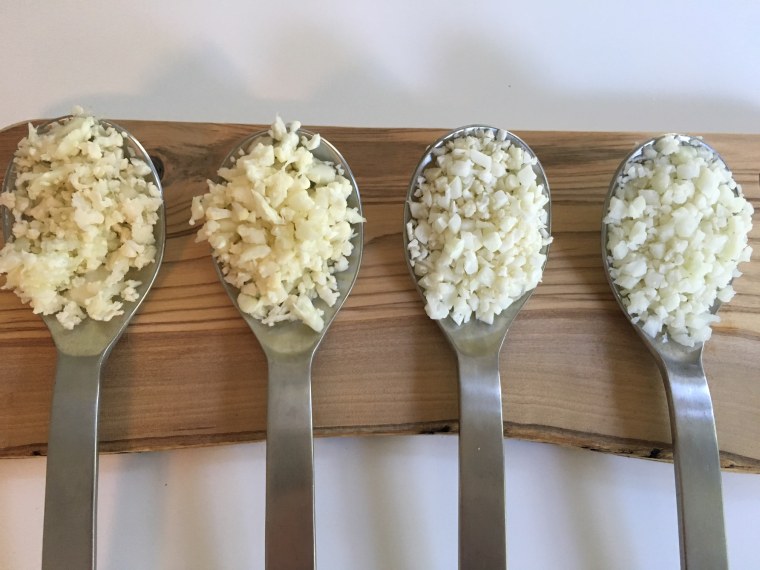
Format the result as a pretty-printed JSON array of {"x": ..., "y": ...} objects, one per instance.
[
  {"x": 677, "y": 229},
  {"x": 280, "y": 226},
  {"x": 478, "y": 227},
  {"x": 83, "y": 215}
]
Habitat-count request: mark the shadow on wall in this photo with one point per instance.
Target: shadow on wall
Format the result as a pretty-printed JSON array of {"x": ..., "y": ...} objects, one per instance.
[
  {"x": 470, "y": 80},
  {"x": 183, "y": 525}
]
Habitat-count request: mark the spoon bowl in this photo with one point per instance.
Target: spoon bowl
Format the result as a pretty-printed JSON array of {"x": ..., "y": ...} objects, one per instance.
[
  {"x": 669, "y": 347},
  {"x": 91, "y": 337},
  {"x": 473, "y": 336},
  {"x": 289, "y": 348},
  {"x": 695, "y": 444},
  {"x": 295, "y": 337},
  {"x": 72, "y": 457},
  {"x": 482, "y": 515}
]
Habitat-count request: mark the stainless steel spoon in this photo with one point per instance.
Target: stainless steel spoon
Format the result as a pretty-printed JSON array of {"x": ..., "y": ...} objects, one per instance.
[
  {"x": 482, "y": 514},
  {"x": 696, "y": 457},
  {"x": 72, "y": 456},
  {"x": 289, "y": 347}
]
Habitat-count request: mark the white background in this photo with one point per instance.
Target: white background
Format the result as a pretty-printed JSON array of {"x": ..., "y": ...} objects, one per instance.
[{"x": 384, "y": 503}]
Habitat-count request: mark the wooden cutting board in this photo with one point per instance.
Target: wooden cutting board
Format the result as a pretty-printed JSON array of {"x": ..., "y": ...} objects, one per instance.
[{"x": 188, "y": 372}]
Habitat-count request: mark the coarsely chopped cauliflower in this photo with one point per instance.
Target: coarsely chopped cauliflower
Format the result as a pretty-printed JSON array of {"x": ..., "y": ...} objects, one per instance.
[
  {"x": 479, "y": 224},
  {"x": 83, "y": 217},
  {"x": 280, "y": 227},
  {"x": 677, "y": 229}
]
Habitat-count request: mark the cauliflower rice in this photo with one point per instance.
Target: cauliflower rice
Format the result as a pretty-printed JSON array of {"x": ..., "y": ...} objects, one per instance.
[
  {"x": 677, "y": 229},
  {"x": 479, "y": 227},
  {"x": 83, "y": 217},
  {"x": 280, "y": 226}
]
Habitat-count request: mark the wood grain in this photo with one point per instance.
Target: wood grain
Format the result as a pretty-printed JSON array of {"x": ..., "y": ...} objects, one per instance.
[{"x": 188, "y": 372}]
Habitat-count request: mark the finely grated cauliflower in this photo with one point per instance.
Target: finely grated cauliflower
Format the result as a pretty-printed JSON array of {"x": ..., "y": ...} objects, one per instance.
[{"x": 83, "y": 216}]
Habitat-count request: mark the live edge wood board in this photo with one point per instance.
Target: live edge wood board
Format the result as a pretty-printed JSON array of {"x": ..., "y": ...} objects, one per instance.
[{"x": 188, "y": 372}]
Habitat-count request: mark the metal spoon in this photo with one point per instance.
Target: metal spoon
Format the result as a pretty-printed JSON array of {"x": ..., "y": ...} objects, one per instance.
[
  {"x": 289, "y": 348},
  {"x": 696, "y": 457},
  {"x": 72, "y": 455},
  {"x": 482, "y": 514}
]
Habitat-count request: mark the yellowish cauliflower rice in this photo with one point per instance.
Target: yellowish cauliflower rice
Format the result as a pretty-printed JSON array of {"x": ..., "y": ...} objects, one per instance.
[
  {"x": 83, "y": 215},
  {"x": 280, "y": 226}
]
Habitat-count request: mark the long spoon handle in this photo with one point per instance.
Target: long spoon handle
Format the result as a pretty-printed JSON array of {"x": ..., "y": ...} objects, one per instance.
[
  {"x": 697, "y": 467},
  {"x": 482, "y": 515},
  {"x": 68, "y": 539},
  {"x": 289, "y": 528}
]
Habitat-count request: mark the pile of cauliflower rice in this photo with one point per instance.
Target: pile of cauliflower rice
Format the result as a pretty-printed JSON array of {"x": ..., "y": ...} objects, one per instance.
[
  {"x": 677, "y": 229},
  {"x": 83, "y": 214},
  {"x": 280, "y": 226},
  {"x": 479, "y": 227}
]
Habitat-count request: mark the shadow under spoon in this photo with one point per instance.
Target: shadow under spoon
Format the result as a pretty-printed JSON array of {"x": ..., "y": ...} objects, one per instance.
[
  {"x": 70, "y": 517},
  {"x": 696, "y": 456},
  {"x": 289, "y": 348},
  {"x": 482, "y": 514}
]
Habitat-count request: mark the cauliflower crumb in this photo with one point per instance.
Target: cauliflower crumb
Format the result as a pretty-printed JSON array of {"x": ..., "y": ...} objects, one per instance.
[
  {"x": 83, "y": 215},
  {"x": 478, "y": 228},
  {"x": 677, "y": 228},
  {"x": 279, "y": 226}
]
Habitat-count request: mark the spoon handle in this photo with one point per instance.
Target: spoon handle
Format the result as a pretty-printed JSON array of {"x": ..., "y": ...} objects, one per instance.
[
  {"x": 482, "y": 515},
  {"x": 68, "y": 539},
  {"x": 697, "y": 466},
  {"x": 289, "y": 528}
]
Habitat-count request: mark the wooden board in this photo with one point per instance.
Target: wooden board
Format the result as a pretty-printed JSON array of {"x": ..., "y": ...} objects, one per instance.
[{"x": 188, "y": 372}]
